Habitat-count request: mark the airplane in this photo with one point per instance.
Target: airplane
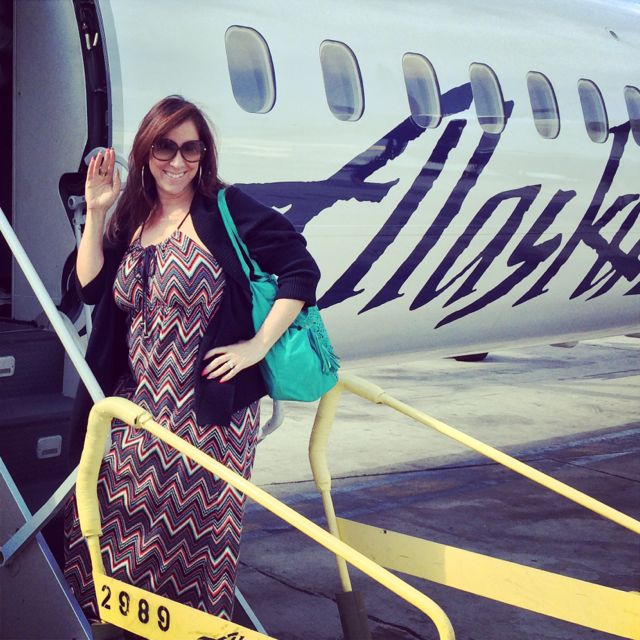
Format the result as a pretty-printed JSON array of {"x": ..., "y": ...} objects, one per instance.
[{"x": 466, "y": 174}]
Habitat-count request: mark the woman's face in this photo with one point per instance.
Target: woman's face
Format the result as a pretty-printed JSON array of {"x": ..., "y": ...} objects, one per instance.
[{"x": 173, "y": 177}]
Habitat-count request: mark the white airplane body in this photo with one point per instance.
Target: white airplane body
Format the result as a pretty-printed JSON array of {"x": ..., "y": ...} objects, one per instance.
[{"x": 445, "y": 240}]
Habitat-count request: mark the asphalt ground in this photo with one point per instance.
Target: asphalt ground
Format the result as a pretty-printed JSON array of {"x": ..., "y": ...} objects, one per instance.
[{"x": 573, "y": 414}]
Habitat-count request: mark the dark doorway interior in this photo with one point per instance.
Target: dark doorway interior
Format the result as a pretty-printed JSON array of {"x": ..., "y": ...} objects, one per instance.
[{"x": 6, "y": 127}]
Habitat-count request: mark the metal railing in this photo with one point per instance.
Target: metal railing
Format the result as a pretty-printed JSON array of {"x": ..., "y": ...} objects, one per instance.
[
  {"x": 28, "y": 531},
  {"x": 576, "y": 601},
  {"x": 190, "y": 628}
]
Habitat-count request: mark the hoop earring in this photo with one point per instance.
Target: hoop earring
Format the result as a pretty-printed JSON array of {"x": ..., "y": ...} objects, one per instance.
[{"x": 144, "y": 188}]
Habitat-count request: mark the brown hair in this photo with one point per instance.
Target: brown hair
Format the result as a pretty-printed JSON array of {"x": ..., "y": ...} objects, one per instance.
[{"x": 140, "y": 196}]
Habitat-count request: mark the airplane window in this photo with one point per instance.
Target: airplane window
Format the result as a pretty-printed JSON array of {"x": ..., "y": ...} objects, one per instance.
[
  {"x": 423, "y": 90},
  {"x": 250, "y": 69},
  {"x": 543, "y": 105},
  {"x": 487, "y": 98},
  {"x": 342, "y": 80},
  {"x": 632, "y": 98},
  {"x": 594, "y": 111}
]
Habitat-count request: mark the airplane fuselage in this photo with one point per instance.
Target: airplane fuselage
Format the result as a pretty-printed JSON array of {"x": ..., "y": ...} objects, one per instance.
[{"x": 451, "y": 239}]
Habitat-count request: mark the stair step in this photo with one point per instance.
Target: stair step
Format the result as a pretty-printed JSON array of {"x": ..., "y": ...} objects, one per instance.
[
  {"x": 18, "y": 411},
  {"x": 32, "y": 429},
  {"x": 37, "y": 357}
]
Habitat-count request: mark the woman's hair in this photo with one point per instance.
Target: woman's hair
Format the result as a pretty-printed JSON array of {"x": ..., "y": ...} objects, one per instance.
[{"x": 140, "y": 195}]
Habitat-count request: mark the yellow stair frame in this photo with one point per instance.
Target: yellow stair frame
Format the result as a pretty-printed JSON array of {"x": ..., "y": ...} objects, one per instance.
[
  {"x": 583, "y": 603},
  {"x": 156, "y": 618}
]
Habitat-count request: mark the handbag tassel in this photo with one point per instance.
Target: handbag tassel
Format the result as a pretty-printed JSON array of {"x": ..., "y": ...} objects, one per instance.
[{"x": 329, "y": 361}]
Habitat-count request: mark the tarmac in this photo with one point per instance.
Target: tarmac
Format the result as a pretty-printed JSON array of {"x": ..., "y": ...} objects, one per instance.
[{"x": 571, "y": 413}]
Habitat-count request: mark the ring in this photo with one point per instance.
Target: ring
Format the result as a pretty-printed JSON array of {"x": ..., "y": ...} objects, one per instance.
[{"x": 102, "y": 173}]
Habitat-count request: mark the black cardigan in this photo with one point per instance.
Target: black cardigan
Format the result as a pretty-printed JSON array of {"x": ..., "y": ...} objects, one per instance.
[{"x": 272, "y": 242}]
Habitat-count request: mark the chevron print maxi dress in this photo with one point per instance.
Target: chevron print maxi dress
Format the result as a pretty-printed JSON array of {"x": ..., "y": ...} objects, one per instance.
[{"x": 169, "y": 527}]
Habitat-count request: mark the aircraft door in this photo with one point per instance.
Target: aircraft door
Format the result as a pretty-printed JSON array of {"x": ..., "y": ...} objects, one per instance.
[{"x": 50, "y": 134}]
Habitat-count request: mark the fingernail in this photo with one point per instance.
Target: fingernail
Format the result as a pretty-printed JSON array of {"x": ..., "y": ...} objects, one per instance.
[{"x": 203, "y": 372}]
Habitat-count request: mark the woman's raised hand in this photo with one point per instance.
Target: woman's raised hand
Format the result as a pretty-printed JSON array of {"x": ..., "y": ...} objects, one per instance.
[{"x": 103, "y": 183}]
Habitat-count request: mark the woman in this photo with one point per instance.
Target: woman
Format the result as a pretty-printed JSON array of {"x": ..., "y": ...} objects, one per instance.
[{"x": 173, "y": 333}]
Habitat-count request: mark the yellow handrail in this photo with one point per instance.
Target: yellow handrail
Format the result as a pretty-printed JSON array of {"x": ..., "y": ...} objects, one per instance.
[
  {"x": 569, "y": 599},
  {"x": 86, "y": 494},
  {"x": 373, "y": 393}
]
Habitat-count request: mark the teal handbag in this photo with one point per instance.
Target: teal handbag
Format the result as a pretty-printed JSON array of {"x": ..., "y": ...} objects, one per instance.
[{"x": 301, "y": 365}]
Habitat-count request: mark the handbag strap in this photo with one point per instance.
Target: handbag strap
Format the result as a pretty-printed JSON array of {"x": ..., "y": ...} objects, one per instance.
[{"x": 241, "y": 248}]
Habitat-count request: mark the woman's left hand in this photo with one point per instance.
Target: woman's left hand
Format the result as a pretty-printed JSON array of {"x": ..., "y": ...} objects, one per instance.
[{"x": 230, "y": 360}]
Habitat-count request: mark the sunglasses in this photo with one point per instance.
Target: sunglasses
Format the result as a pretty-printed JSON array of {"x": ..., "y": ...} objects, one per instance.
[{"x": 165, "y": 150}]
